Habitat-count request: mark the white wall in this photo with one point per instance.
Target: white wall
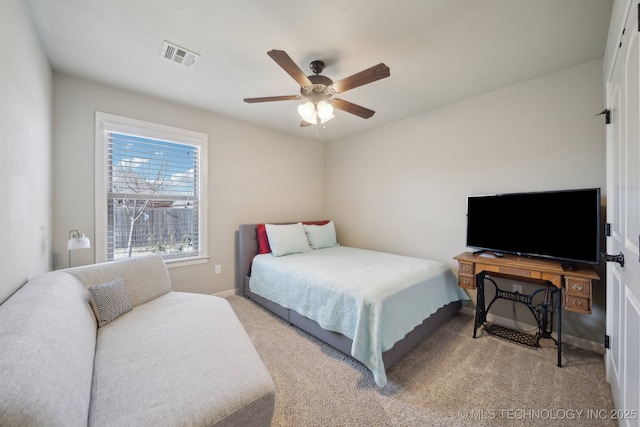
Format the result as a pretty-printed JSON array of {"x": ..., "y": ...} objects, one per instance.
[
  {"x": 402, "y": 188},
  {"x": 25, "y": 151},
  {"x": 255, "y": 175}
]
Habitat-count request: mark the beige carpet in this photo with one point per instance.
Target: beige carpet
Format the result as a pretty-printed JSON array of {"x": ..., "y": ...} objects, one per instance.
[{"x": 450, "y": 379}]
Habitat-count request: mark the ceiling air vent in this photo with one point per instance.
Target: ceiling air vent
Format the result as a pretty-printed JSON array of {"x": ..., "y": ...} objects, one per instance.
[{"x": 179, "y": 55}]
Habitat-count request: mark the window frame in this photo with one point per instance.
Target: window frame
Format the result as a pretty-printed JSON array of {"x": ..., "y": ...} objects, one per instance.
[{"x": 105, "y": 123}]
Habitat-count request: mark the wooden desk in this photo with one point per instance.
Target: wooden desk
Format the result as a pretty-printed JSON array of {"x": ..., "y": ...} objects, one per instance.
[{"x": 575, "y": 285}]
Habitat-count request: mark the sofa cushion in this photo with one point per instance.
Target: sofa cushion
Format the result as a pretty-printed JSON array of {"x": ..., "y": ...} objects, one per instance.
[
  {"x": 144, "y": 277},
  {"x": 193, "y": 361},
  {"x": 109, "y": 301},
  {"x": 47, "y": 345}
]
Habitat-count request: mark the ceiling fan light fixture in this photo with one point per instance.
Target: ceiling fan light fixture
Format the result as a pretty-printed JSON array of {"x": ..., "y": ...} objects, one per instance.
[
  {"x": 314, "y": 113},
  {"x": 325, "y": 111},
  {"x": 307, "y": 112},
  {"x": 323, "y": 121}
]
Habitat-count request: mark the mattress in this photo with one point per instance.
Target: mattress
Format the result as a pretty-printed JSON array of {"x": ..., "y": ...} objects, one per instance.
[{"x": 373, "y": 298}]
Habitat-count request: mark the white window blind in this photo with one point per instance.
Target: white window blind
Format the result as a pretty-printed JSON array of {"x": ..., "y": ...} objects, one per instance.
[{"x": 154, "y": 193}]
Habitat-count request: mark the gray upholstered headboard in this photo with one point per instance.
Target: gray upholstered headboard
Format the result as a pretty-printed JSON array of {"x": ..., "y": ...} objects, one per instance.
[{"x": 247, "y": 249}]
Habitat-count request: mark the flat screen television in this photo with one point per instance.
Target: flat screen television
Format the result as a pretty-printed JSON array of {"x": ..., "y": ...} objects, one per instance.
[{"x": 560, "y": 225}]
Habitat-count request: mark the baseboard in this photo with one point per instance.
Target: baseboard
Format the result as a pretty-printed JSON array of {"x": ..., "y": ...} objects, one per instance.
[
  {"x": 566, "y": 338},
  {"x": 226, "y": 294}
]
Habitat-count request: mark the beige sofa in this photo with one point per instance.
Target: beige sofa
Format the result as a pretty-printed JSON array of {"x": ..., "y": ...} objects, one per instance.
[{"x": 173, "y": 359}]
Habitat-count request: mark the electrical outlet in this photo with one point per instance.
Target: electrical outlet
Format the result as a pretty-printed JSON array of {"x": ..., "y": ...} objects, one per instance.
[
  {"x": 218, "y": 269},
  {"x": 516, "y": 288}
]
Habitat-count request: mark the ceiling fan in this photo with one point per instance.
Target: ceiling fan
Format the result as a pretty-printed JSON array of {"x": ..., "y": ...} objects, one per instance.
[{"x": 319, "y": 90}]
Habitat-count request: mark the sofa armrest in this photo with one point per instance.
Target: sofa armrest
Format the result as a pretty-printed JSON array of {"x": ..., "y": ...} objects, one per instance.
[
  {"x": 47, "y": 348},
  {"x": 145, "y": 278}
]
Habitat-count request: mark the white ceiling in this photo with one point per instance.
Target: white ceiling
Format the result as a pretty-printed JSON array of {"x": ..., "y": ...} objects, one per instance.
[{"x": 439, "y": 51}]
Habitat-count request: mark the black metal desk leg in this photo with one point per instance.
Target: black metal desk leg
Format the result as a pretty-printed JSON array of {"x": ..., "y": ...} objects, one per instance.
[
  {"x": 480, "y": 306},
  {"x": 559, "y": 328}
]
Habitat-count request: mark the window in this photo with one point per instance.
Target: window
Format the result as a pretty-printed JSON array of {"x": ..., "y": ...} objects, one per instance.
[{"x": 150, "y": 190}]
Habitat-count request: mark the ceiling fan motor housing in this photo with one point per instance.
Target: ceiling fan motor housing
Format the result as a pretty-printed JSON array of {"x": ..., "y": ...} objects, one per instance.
[{"x": 321, "y": 88}]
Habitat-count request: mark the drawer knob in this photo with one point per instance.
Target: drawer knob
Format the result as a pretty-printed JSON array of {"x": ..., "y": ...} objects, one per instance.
[
  {"x": 577, "y": 287},
  {"x": 577, "y": 302}
]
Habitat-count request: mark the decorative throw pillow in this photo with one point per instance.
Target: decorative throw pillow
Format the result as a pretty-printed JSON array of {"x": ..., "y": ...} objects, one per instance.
[
  {"x": 323, "y": 222},
  {"x": 287, "y": 239},
  {"x": 109, "y": 301},
  {"x": 263, "y": 240},
  {"x": 321, "y": 236}
]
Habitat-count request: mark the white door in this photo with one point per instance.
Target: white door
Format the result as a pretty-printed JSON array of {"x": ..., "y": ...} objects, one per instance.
[{"x": 623, "y": 213}]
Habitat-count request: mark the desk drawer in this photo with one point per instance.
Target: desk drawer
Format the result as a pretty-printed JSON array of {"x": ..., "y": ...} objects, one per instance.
[
  {"x": 578, "y": 287},
  {"x": 465, "y": 268},
  {"x": 466, "y": 275},
  {"x": 577, "y": 304},
  {"x": 468, "y": 282}
]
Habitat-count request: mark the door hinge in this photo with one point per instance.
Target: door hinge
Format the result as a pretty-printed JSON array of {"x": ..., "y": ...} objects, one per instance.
[
  {"x": 607, "y": 115},
  {"x": 607, "y": 229},
  {"x": 607, "y": 341}
]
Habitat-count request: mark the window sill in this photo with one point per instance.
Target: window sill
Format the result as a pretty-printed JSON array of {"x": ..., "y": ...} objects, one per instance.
[{"x": 172, "y": 263}]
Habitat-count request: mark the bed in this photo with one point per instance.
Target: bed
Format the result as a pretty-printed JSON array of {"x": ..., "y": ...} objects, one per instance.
[{"x": 370, "y": 305}]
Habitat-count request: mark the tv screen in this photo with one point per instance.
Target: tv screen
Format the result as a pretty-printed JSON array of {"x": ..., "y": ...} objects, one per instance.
[{"x": 560, "y": 225}]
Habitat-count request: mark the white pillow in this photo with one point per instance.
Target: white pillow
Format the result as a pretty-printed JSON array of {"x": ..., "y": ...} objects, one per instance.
[
  {"x": 321, "y": 236},
  {"x": 287, "y": 239}
]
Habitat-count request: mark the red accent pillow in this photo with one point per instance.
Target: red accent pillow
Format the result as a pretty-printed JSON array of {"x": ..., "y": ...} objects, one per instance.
[
  {"x": 263, "y": 240},
  {"x": 315, "y": 222}
]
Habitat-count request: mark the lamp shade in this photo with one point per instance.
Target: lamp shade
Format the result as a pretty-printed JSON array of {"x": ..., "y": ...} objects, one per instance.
[
  {"x": 78, "y": 241},
  {"x": 307, "y": 112},
  {"x": 325, "y": 111},
  {"x": 321, "y": 112}
]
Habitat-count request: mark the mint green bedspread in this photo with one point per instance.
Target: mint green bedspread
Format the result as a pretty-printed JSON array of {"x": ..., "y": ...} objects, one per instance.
[{"x": 373, "y": 298}]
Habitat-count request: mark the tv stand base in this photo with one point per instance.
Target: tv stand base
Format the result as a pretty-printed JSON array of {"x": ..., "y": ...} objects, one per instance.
[
  {"x": 542, "y": 311},
  {"x": 564, "y": 290}
]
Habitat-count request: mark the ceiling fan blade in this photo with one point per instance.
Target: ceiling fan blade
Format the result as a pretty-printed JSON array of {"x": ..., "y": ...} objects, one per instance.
[
  {"x": 287, "y": 64},
  {"x": 352, "y": 108},
  {"x": 369, "y": 75},
  {"x": 273, "y": 98},
  {"x": 304, "y": 124}
]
